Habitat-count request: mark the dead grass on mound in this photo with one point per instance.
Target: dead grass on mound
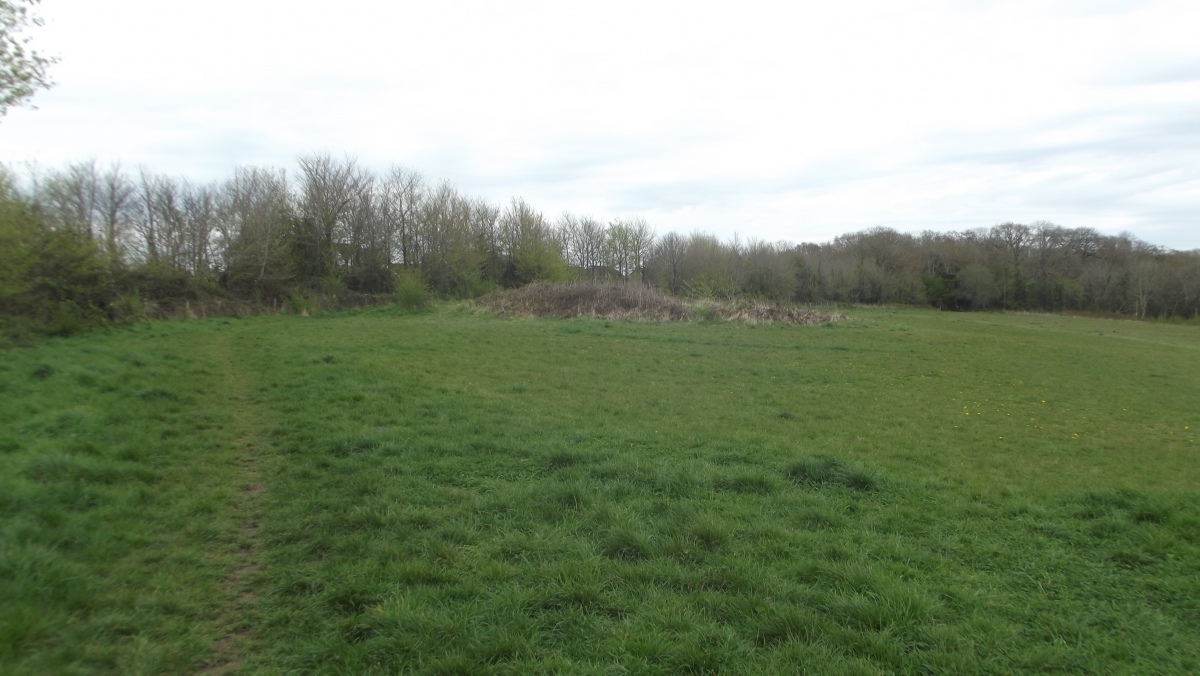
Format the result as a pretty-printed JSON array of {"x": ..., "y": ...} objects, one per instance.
[
  {"x": 753, "y": 312},
  {"x": 639, "y": 303},
  {"x": 606, "y": 301}
]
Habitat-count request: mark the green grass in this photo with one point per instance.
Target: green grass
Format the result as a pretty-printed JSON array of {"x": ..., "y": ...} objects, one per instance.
[{"x": 447, "y": 492}]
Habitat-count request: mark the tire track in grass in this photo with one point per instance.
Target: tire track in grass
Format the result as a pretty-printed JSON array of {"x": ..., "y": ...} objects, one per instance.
[{"x": 239, "y": 586}]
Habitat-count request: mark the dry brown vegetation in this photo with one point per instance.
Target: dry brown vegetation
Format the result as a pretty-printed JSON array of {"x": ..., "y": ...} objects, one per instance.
[
  {"x": 635, "y": 302},
  {"x": 203, "y": 308}
]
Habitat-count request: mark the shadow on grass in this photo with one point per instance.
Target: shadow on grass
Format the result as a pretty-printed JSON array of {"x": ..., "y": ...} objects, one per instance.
[{"x": 830, "y": 471}]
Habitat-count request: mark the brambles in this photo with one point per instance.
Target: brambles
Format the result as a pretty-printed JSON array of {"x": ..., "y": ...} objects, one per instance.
[
  {"x": 640, "y": 303},
  {"x": 605, "y": 301}
]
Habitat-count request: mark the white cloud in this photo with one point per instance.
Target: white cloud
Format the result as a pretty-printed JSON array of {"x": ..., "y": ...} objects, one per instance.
[{"x": 794, "y": 121}]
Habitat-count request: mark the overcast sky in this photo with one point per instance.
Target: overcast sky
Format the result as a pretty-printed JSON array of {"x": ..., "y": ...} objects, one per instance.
[{"x": 794, "y": 121}]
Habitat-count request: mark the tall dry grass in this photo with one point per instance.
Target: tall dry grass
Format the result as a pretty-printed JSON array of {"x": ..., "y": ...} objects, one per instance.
[
  {"x": 228, "y": 307},
  {"x": 639, "y": 303}
]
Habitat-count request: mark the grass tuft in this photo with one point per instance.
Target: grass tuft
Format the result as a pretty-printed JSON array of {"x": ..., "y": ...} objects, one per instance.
[
  {"x": 626, "y": 543},
  {"x": 709, "y": 531},
  {"x": 758, "y": 483},
  {"x": 564, "y": 459},
  {"x": 158, "y": 394},
  {"x": 790, "y": 624},
  {"x": 829, "y": 471}
]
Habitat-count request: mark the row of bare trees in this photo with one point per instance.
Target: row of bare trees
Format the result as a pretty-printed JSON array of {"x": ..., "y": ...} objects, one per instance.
[
  {"x": 1041, "y": 266},
  {"x": 335, "y": 224}
]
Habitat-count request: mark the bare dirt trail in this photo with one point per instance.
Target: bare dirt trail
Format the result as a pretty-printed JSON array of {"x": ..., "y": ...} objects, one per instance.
[{"x": 239, "y": 585}]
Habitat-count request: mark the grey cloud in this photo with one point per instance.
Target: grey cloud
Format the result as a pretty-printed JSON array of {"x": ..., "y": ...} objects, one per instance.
[
  {"x": 581, "y": 158},
  {"x": 1075, "y": 200},
  {"x": 720, "y": 191},
  {"x": 570, "y": 162},
  {"x": 1172, "y": 130}
]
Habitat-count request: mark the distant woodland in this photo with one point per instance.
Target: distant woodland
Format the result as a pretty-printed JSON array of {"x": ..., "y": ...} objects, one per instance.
[{"x": 87, "y": 244}]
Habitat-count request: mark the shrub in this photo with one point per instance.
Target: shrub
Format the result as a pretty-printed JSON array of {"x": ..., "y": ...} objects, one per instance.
[
  {"x": 300, "y": 304},
  {"x": 127, "y": 308},
  {"x": 411, "y": 291}
]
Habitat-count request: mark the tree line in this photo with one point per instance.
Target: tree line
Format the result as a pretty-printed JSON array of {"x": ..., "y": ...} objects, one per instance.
[{"x": 92, "y": 241}]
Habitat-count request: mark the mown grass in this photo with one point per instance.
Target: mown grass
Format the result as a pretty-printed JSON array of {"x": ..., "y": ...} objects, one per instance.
[{"x": 448, "y": 492}]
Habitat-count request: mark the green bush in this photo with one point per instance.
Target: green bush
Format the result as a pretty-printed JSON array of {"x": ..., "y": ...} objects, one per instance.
[
  {"x": 411, "y": 291},
  {"x": 127, "y": 308},
  {"x": 51, "y": 280},
  {"x": 300, "y": 304}
]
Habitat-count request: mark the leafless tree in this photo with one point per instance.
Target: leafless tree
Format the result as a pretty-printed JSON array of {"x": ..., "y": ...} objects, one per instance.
[
  {"x": 199, "y": 204},
  {"x": 450, "y": 259},
  {"x": 669, "y": 253},
  {"x": 485, "y": 226},
  {"x": 167, "y": 204},
  {"x": 254, "y": 214},
  {"x": 533, "y": 248},
  {"x": 1012, "y": 238},
  {"x": 641, "y": 241},
  {"x": 72, "y": 197},
  {"x": 401, "y": 195},
  {"x": 588, "y": 243},
  {"x": 117, "y": 209},
  {"x": 331, "y": 193},
  {"x": 145, "y": 223}
]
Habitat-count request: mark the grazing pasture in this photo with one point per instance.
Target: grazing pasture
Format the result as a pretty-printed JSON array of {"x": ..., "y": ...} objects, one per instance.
[{"x": 451, "y": 492}]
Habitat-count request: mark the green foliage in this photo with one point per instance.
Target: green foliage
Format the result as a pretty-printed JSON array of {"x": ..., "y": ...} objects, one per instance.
[
  {"x": 411, "y": 292},
  {"x": 19, "y": 233},
  {"x": 128, "y": 307},
  {"x": 22, "y": 70},
  {"x": 537, "y": 261},
  {"x": 156, "y": 279},
  {"x": 339, "y": 233},
  {"x": 309, "y": 251},
  {"x": 939, "y": 291},
  {"x": 329, "y": 285},
  {"x": 52, "y": 281},
  {"x": 715, "y": 286},
  {"x": 977, "y": 286},
  {"x": 300, "y": 303}
]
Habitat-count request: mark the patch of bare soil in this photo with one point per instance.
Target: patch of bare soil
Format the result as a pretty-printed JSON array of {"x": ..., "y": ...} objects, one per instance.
[{"x": 239, "y": 590}]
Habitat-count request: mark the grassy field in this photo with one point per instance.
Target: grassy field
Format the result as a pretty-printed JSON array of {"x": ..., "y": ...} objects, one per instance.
[{"x": 447, "y": 492}]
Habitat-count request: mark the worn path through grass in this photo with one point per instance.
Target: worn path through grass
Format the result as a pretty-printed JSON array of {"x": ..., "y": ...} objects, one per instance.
[
  {"x": 121, "y": 502},
  {"x": 241, "y": 585},
  {"x": 446, "y": 492}
]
